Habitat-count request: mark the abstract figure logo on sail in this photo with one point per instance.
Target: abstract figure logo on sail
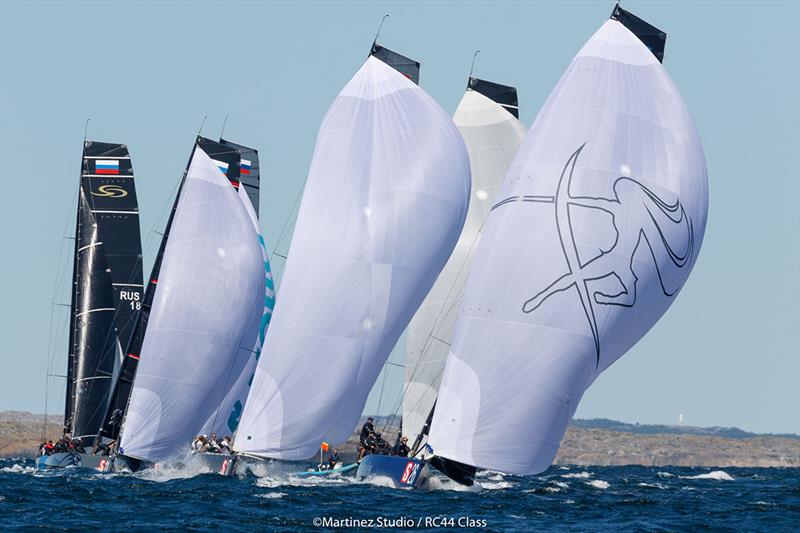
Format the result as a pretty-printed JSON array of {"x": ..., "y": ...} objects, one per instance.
[{"x": 643, "y": 224}]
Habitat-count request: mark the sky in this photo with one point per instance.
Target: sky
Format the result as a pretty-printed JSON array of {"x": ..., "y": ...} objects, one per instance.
[{"x": 727, "y": 353}]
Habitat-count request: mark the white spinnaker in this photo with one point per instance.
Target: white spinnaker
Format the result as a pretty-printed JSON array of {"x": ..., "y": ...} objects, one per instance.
[
  {"x": 492, "y": 136},
  {"x": 210, "y": 286},
  {"x": 593, "y": 232},
  {"x": 225, "y": 419},
  {"x": 385, "y": 201}
]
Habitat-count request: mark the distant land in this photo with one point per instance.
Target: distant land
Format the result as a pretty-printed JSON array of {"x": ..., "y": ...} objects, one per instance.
[{"x": 600, "y": 442}]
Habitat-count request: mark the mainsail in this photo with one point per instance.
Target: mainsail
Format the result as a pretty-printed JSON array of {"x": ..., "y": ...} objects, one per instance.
[
  {"x": 385, "y": 200},
  {"x": 208, "y": 293},
  {"x": 107, "y": 283},
  {"x": 486, "y": 118},
  {"x": 593, "y": 233}
]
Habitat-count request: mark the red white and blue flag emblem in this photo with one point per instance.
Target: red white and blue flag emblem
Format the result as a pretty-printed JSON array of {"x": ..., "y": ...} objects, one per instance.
[
  {"x": 245, "y": 166},
  {"x": 106, "y": 166},
  {"x": 222, "y": 166}
]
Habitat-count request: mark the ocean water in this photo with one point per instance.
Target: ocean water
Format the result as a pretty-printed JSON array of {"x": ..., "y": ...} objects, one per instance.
[{"x": 579, "y": 498}]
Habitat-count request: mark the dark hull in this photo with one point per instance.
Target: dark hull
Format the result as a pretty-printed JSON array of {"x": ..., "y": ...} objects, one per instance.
[{"x": 405, "y": 472}]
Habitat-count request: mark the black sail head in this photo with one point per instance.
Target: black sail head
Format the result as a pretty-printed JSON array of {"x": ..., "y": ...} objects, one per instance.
[
  {"x": 402, "y": 64},
  {"x": 652, "y": 37},
  {"x": 504, "y": 95},
  {"x": 249, "y": 170}
]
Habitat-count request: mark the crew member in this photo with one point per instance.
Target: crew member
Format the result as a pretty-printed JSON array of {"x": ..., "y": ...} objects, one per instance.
[
  {"x": 401, "y": 448},
  {"x": 333, "y": 458}
]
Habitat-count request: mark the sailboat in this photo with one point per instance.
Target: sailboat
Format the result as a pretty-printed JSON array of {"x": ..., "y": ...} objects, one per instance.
[
  {"x": 106, "y": 293},
  {"x": 385, "y": 200},
  {"x": 201, "y": 316},
  {"x": 589, "y": 240},
  {"x": 488, "y": 119}
]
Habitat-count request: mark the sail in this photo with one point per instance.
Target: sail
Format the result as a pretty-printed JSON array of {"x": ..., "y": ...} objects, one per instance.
[
  {"x": 492, "y": 135},
  {"x": 107, "y": 282},
  {"x": 209, "y": 291},
  {"x": 227, "y": 160},
  {"x": 249, "y": 171},
  {"x": 591, "y": 236},
  {"x": 385, "y": 200},
  {"x": 225, "y": 419}
]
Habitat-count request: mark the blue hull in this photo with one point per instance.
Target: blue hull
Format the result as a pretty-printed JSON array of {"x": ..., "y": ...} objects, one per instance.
[
  {"x": 343, "y": 470},
  {"x": 403, "y": 471}
]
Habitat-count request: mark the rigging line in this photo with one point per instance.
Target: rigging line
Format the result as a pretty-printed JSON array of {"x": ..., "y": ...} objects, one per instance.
[
  {"x": 472, "y": 67},
  {"x": 288, "y": 221},
  {"x": 375, "y": 41},
  {"x": 224, "y": 122},
  {"x": 86, "y": 129},
  {"x": 50, "y": 346},
  {"x": 201, "y": 125}
]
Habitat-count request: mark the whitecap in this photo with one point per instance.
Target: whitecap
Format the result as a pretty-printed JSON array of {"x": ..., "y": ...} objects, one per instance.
[
  {"x": 496, "y": 485},
  {"x": 271, "y": 495},
  {"x": 442, "y": 483},
  {"x": 598, "y": 484},
  {"x": 18, "y": 469},
  {"x": 664, "y": 474},
  {"x": 719, "y": 475},
  {"x": 577, "y": 475},
  {"x": 652, "y": 485}
]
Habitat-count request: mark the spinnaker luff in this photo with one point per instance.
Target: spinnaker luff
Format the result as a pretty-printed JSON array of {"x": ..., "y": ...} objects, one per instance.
[
  {"x": 385, "y": 201},
  {"x": 487, "y": 119},
  {"x": 592, "y": 235},
  {"x": 207, "y": 299},
  {"x": 106, "y": 283}
]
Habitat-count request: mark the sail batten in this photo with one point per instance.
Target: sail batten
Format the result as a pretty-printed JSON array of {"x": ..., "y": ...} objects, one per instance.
[
  {"x": 384, "y": 202},
  {"x": 589, "y": 240}
]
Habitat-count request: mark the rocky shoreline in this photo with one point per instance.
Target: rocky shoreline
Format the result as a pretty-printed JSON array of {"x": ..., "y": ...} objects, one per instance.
[{"x": 21, "y": 432}]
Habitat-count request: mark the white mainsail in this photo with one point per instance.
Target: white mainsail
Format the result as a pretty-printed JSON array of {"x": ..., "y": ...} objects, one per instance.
[
  {"x": 492, "y": 136},
  {"x": 385, "y": 201},
  {"x": 591, "y": 236},
  {"x": 210, "y": 291}
]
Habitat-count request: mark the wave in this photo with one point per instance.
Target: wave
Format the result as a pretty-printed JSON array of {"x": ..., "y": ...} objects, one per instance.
[
  {"x": 719, "y": 475},
  {"x": 577, "y": 475},
  {"x": 18, "y": 469},
  {"x": 443, "y": 483},
  {"x": 598, "y": 484},
  {"x": 271, "y": 495},
  {"x": 651, "y": 485}
]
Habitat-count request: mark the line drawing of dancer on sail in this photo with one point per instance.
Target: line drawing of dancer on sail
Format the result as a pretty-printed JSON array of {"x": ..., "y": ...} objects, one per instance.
[{"x": 610, "y": 285}]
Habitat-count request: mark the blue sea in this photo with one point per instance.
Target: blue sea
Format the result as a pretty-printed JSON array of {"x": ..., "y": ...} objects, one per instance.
[{"x": 269, "y": 498}]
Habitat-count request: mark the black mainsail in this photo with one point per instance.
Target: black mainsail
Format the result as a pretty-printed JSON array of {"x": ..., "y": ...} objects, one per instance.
[
  {"x": 107, "y": 283},
  {"x": 504, "y": 95}
]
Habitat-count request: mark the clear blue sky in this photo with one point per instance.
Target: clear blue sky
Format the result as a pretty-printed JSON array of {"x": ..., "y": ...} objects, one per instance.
[{"x": 726, "y": 353}]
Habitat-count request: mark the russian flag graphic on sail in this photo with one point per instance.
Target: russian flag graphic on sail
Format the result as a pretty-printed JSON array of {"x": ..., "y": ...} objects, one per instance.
[
  {"x": 222, "y": 166},
  {"x": 106, "y": 166},
  {"x": 245, "y": 166}
]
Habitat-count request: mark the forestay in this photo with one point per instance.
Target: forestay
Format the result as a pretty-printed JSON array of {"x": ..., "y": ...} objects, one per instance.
[
  {"x": 209, "y": 293},
  {"x": 385, "y": 201},
  {"x": 592, "y": 235},
  {"x": 492, "y": 135}
]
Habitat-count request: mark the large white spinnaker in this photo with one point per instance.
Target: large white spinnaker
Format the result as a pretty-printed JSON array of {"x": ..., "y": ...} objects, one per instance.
[
  {"x": 385, "y": 201},
  {"x": 209, "y": 292},
  {"x": 225, "y": 419},
  {"x": 590, "y": 238},
  {"x": 492, "y": 135}
]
